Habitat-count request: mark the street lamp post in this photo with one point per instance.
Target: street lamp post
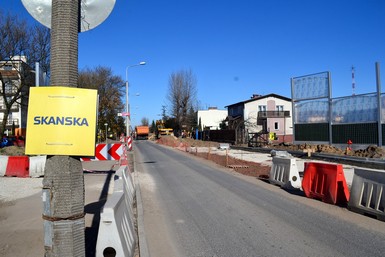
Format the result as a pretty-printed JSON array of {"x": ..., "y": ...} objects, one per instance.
[
  {"x": 106, "y": 125},
  {"x": 127, "y": 104}
]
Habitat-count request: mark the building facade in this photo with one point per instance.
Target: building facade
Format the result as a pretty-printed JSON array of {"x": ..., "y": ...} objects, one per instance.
[
  {"x": 262, "y": 119},
  {"x": 15, "y": 79},
  {"x": 211, "y": 118}
]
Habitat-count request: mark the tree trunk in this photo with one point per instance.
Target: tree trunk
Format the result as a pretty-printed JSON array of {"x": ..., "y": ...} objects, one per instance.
[{"x": 63, "y": 184}]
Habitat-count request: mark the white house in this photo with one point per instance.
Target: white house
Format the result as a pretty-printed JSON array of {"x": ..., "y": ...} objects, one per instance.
[
  {"x": 262, "y": 115},
  {"x": 11, "y": 71},
  {"x": 211, "y": 118}
]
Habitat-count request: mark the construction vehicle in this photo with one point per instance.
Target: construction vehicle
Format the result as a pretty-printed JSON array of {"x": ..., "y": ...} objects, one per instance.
[
  {"x": 161, "y": 130},
  {"x": 141, "y": 132}
]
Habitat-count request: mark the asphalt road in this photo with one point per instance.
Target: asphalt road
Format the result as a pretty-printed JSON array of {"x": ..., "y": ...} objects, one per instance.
[{"x": 194, "y": 208}]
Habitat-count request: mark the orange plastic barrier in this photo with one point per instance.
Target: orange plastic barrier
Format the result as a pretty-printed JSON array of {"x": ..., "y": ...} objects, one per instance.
[
  {"x": 326, "y": 182},
  {"x": 18, "y": 166}
]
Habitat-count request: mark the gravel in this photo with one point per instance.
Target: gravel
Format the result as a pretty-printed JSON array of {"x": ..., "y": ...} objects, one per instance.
[{"x": 13, "y": 188}]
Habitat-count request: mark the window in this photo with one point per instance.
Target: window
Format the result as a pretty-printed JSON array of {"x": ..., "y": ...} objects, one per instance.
[
  {"x": 279, "y": 108},
  {"x": 262, "y": 108},
  {"x": 7, "y": 67},
  {"x": 8, "y": 87},
  {"x": 276, "y": 125}
]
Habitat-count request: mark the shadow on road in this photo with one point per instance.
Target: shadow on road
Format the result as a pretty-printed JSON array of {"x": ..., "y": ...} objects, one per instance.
[{"x": 91, "y": 233}]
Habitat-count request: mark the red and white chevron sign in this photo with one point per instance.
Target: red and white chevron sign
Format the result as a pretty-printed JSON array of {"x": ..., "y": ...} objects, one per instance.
[{"x": 104, "y": 152}]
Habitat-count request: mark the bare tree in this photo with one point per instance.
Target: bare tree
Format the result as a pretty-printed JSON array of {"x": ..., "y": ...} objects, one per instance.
[
  {"x": 182, "y": 96},
  {"x": 111, "y": 90},
  {"x": 21, "y": 47},
  {"x": 145, "y": 121}
]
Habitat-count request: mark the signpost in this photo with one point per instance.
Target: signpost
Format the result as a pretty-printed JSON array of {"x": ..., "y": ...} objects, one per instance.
[
  {"x": 61, "y": 121},
  {"x": 63, "y": 184}
]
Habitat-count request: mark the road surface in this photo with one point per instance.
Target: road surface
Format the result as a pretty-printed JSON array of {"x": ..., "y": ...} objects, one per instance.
[{"x": 194, "y": 208}]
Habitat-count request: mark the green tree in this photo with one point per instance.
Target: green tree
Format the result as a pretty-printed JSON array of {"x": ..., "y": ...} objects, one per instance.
[
  {"x": 153, "y": 127},
  {"x": 111, "y": 90}
]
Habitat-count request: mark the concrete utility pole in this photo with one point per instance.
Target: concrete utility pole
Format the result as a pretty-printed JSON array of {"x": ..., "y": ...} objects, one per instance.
[{"x": 63, "y": 180}]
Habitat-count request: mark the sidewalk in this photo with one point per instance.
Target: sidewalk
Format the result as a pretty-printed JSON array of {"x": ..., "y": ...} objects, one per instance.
[{"x": 22, "y": 232}]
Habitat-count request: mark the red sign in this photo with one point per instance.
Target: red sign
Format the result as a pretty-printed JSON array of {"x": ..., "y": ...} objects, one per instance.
[{"x": 104, "y": 152}]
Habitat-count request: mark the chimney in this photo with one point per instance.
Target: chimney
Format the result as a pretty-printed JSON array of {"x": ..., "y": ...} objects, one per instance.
[{"x": 255, "y": 96}]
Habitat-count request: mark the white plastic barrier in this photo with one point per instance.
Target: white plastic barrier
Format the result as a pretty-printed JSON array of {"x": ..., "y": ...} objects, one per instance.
[
  {"x": 367, "y": 194},
  {"x": 224, "y": 146},
  {"x": 284, "y": 172},
  {"x": 117, "y": 235},
  {"x": 37, "y": 165},
  {"x": 116, "y": 231},
  {"x": 3, "y": 165},
  {"x": 124, "y": 183}
]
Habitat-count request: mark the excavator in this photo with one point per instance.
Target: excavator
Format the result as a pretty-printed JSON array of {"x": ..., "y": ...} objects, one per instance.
[{"x": 161, "y": 130}]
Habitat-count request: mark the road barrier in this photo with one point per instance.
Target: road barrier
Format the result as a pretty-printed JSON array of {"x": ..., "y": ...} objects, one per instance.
[
  {"x": 22, "y": 166},
  {"x": 117, "y": 235},
  {"x": 224, "y": 146},
  {"x": 124, "y": 157},
  {"x": 3, "y": 165},
  {"x": 37, "y": 165},
  {"x": 367, "y": 193},
  {"x": 326, "y": 182},
  {"x": 284, "y": 172},
  {"x": 129, "y": 143},
  {"x": 18, "y": 166}
]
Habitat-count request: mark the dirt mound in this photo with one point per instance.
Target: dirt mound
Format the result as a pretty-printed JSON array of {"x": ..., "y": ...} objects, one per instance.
[
  {"x": 256, "y": 169},
  {"x": 12, "y": 151},
  {"x": 370, "y": 152},
  {"x": 189, "y": 142}
]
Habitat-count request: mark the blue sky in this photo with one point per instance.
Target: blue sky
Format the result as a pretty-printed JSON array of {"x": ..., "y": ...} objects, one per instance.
[{"x": 235, "y": 48}]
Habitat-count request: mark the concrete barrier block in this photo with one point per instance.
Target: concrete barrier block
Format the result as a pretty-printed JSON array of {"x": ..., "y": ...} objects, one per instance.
[
  {"x": 129, "y": 183},
  {"x": 37, "y": 165},
  {"x": 118, "y": 183},
  {"x": 284, "y": 172},
  {"x": 367, "y": 195},
  {"x": 280, "y": 153},
  {"x": 116, "y": 231},
  {"x": 129, "y": 190},
  {"x": 3, "y": 165}
]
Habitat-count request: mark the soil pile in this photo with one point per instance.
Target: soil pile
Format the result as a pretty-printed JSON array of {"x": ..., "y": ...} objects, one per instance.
[
  {"x": 12, "y": 151},
  {"x": 371, "y": 151}
]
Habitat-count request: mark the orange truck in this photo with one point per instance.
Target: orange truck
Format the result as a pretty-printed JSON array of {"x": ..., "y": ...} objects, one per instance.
[{"x": 142, "y": 132}]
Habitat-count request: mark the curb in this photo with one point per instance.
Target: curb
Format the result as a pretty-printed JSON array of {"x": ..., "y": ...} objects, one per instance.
[{"x": 142, "y": 241}]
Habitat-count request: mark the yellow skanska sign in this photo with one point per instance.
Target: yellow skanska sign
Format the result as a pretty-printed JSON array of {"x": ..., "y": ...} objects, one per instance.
[{"x": 61, "y": 121}]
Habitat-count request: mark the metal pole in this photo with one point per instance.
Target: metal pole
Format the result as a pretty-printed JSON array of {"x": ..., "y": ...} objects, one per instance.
[
  {"x": 127, "y": 103},
  {"x": 293, "y": 109},
  {"x": 37, "y": 73},
  {"x": 106, "y": 125},
  {"x": 330, "y": 108},
  {"x": 127, "y": 109},
  {"x": 379, "y": 107}
]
